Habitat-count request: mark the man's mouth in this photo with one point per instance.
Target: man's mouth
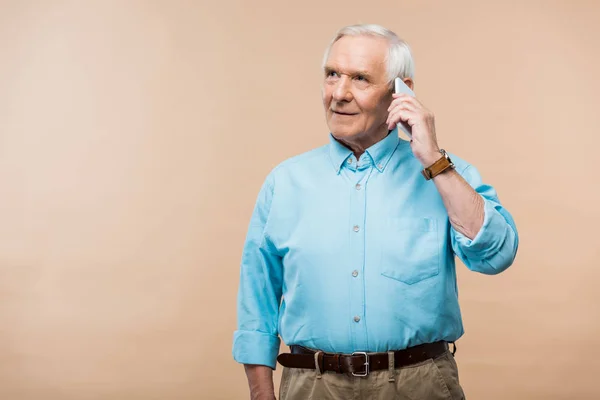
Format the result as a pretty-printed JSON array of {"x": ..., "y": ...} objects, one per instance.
[{"x": 343, "y": 113}]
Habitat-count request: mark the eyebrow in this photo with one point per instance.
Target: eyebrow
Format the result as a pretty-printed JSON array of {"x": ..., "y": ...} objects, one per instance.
[{"x": 364, "y": 73}]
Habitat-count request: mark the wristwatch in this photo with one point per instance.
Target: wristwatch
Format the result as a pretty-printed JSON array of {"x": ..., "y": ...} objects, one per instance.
[{"x": 439, "y": 166}]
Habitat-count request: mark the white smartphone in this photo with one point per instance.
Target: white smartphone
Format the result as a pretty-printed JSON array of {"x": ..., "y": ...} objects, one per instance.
[{"x": 401, "y": 87}]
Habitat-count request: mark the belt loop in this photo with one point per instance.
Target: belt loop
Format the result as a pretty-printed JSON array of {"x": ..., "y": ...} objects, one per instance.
[
  {"x": 391, "y": 367},
  {"x": 453, "y": 348},
  {"x": 318, "y": 364}
]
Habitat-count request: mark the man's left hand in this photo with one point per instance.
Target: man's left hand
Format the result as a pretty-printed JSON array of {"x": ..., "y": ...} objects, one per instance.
[{"x": 424, "y": 142}]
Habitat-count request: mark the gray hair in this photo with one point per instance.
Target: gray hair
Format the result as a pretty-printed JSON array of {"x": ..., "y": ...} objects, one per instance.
[{"x": 399, "y": 58}]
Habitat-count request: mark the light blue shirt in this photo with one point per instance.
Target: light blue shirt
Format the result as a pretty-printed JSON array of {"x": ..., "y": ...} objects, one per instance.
[{"x": 346, "y": 255}]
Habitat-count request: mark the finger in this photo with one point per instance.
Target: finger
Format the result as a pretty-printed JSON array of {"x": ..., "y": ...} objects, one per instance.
[
  {"x": 400, "y": 115},
  {"x": 392, "y": 116},
  {"x": 408, "y": 98},
  {"x": 406, "y": 105},
  {"x": 399, "y": 108},
  {"x": 401, "y": 103}
]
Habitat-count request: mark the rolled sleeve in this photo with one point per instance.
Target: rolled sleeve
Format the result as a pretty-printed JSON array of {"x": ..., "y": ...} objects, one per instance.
[
  {"x": 494, "y": 247},
  {"x": 253, "y": 347},
  {"x": 256, "y": 339}
]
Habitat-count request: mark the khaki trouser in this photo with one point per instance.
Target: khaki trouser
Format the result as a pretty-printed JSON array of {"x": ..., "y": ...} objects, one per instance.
[{"x": 432, "y": 379}]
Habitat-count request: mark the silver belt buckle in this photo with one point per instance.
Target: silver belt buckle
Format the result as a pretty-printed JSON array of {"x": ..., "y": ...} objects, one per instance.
[{"x": 366, "y": 364}]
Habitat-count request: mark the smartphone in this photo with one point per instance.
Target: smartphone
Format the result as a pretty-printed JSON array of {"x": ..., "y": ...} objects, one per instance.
[{"x": 401, "y": 87}]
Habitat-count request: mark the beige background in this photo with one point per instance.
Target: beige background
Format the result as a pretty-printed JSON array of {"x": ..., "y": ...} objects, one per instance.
[{"x": 134, "y": 137}]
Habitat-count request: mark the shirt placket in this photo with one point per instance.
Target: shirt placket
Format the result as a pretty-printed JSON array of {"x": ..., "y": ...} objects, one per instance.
[{"x": 359, "y": 177}]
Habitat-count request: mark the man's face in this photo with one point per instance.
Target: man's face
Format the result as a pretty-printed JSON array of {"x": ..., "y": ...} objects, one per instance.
[{"x": 356, "y": 94}]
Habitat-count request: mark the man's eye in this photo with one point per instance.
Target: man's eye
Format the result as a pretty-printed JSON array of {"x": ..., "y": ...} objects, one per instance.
[
  {"x": 361, "y": 78},
  {"x": 332, "y": 74}
]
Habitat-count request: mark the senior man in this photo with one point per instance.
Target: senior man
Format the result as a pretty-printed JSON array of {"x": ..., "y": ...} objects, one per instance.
[{"x": 350, "y": 251}]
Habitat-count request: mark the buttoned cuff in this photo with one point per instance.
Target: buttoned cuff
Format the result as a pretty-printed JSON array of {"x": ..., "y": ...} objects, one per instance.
[
  {"x": 253, "y": 347},
  {"x": 490, "y": 237}
]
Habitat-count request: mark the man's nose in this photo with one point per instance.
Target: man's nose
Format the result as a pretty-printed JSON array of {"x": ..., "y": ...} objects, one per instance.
[{"x": 342, "y": 90}]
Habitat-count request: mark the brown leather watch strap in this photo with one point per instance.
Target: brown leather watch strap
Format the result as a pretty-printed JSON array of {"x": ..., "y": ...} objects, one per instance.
[{"x": 438, "y": 167}]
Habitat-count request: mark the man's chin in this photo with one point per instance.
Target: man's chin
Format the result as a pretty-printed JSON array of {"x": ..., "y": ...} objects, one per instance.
[{"x": 342, "y": 132}]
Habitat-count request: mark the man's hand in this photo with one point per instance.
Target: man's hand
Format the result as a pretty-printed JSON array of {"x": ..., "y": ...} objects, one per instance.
[
  {"x": 465, "y": 206},
  {"x": 424, "y": 142},
  {"x": 260, "y": 380}
]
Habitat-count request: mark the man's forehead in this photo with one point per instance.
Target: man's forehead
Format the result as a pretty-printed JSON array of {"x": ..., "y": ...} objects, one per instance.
[{"x": 360, "y": 53}]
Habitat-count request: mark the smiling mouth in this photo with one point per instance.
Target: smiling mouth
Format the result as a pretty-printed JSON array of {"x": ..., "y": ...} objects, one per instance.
[{"x": 343, "y": 113}]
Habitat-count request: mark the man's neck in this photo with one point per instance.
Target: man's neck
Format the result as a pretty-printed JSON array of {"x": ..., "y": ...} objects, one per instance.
[{"x": 360, "y": 143}]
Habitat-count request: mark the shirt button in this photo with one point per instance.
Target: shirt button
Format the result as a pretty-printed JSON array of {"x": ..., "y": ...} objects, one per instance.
[
  {"x": 357, "y": 186},
  {"x": 357, "y": 319},
  {"x": 355, "y": 273},
  {"x": 349, "y": 161},
  {"x": 380, "y": 166},
  {"x": 356, "y": 228}
]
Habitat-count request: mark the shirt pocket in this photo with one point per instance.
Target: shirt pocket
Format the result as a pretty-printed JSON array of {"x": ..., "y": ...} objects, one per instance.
[{"x": 410, "y": 249}]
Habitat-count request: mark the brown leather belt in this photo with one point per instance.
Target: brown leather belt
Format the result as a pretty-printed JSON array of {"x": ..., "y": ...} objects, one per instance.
[{"x": 360, "y": 363}]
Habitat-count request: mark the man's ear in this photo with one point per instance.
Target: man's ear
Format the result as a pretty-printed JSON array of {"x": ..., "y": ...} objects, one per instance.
[{"x": 409, "y": 82}]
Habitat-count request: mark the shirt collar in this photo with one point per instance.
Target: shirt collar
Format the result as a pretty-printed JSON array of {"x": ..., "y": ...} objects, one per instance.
[{"x": 380, "y": 152}]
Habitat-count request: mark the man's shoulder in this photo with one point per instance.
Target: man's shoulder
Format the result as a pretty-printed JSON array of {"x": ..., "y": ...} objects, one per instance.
[{"x": 302, "y": 162}]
